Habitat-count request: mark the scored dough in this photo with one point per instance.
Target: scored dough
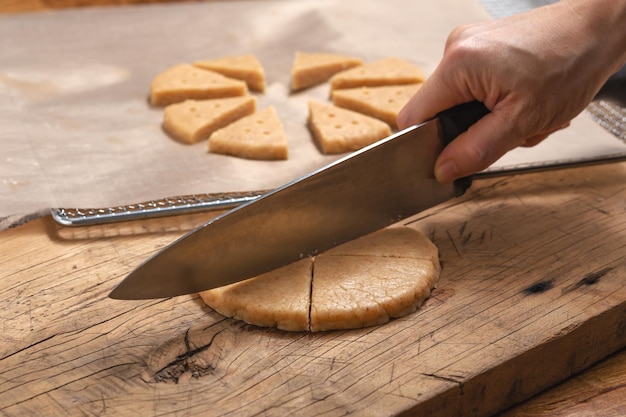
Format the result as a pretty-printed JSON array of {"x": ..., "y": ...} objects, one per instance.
[
  {"x": 194, "y": 120},
  {"x": 279, "y": 298},
  {"x": 258, "y": 136},
  {"x": 341, "y": 299},
  {"x": 340, "y": 130},
  {"x": 242, "y": 67},
  {"x": 388, "y": 71},
  {"x": 383, "y": 102},
  {"x": 309, "y": 69},
  {"x": 387, "y": 274},
  {"x": 185, "y": 81}
]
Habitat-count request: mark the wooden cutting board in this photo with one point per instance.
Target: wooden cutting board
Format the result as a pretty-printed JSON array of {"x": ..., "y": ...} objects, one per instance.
[{"x": 533, "y": 289}]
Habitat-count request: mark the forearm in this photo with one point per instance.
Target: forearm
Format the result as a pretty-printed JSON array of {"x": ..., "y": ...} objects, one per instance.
[{"x": 605, "y": 21}]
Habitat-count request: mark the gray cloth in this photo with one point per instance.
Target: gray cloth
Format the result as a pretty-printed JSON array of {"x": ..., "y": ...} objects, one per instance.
[{"x": 503, "y": 8}]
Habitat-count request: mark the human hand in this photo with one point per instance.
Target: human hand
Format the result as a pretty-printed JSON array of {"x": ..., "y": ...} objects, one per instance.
[{"x": 535, "y": 71}]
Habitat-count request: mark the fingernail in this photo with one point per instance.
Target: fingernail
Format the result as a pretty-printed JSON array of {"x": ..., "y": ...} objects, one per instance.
[{"x": 447, "y": 172}]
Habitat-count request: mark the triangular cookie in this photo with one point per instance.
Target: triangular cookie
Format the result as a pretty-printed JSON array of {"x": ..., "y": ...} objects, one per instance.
[
  {"x": 258, "y": 136},
  {"x": 384, "y": 102},
  {"x": 340, "y": 130},
  {"x": 388, "y": 71},
  {"x": 309, "y": 69},
  {"x": 185, "y": 81},
  {"x": 242, "y": 67},
  {"x": 194, "y": 120}
]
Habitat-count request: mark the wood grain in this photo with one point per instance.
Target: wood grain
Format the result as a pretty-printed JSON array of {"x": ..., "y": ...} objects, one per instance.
[
  {"x": 532, "y": 292},
  {"x": 601, "y": 391},
  {"x": 21, "y": 6}
]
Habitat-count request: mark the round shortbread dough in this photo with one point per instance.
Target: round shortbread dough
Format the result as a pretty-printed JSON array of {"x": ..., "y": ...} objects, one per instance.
[{"x": 365, "y": 282}]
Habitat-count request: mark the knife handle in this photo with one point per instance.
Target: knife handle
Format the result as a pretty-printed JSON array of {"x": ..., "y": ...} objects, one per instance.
[{"x": 455, "y": 121}]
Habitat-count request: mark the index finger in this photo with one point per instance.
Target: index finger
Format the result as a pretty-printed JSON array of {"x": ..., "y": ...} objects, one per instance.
[{"x": 438, "y": 93}]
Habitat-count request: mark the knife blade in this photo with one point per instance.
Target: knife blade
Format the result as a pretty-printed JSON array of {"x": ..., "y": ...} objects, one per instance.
[{"x": 367, "y": 190}]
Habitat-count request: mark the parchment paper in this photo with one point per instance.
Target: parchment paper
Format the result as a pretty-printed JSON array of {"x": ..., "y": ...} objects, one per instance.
[{"x": 76, "y": 129}]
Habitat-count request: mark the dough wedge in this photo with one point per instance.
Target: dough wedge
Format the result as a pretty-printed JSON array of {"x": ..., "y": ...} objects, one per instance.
[
  {"x": 258, "y": 136},
  {"x": 245, "y": 67},
  {"x": 382, "y": 102},
  {"x": 309, "y": 69},
  {"x": 338, "y": 130},
  {"x": 185, "y": 81},
  {"x": 192, "y": 121},
  {"x": 388, "y": 71}
]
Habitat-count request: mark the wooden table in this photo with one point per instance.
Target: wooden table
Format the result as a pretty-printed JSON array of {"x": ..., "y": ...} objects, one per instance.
[{"x": 66, "y": 348}]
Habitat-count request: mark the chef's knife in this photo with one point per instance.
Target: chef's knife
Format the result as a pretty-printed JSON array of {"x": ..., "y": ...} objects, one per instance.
[{"x": 367, "y": 190}]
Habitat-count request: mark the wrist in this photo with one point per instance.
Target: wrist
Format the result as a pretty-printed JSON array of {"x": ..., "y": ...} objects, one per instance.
[{"x": 604, "y": 21}]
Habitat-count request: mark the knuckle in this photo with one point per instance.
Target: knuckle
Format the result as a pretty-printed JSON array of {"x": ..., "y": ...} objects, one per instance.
[{"x": 456, "y": 36}]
